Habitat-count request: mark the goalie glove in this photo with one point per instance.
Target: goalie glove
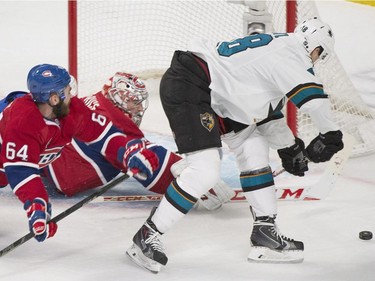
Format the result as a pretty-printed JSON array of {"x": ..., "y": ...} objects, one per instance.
[
  {"x": 139, "y": 160},
  {"x": 39, "y": 213},
  {"x": 216, "y": 196},
  {"x": 293, "y": 158},
  {"x": 324, "y": 146}
]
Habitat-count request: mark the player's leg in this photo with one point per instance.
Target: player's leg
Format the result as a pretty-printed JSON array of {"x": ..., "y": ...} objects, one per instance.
[
  {"x": 214, "y": 198},
  {"x": 267, "y": 243},
  {"x": 180, "y": 197},
  {"x": 186, "y": 102}
]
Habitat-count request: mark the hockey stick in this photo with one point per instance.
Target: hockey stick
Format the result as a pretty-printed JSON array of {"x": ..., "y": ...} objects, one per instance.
[
  {"x": 157, "y": 197},
  {"x": 317, "y": 190},
  {"x": 66, "y": 213}
]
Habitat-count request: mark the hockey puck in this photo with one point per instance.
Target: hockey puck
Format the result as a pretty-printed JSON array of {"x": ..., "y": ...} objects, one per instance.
[{"x": 365, "y": 235}]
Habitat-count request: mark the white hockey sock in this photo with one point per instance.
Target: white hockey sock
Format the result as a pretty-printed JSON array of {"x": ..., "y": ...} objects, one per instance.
[
  {"x": 200, "y": 174},
  {"x": 263, "y": 201},
  {"x": 166, "y": 216}
]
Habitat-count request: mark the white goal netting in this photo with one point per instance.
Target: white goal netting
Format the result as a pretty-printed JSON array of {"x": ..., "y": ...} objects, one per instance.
[{"x": 141, "y": 36}]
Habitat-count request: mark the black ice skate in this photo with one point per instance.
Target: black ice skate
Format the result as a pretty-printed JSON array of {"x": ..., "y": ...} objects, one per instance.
[
  {"x": 147, "y": 250},
  {"x": 268, "y": 245}
]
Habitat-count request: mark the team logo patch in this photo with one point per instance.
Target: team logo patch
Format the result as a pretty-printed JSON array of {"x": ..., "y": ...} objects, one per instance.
[{"x": 208, "y": 121}]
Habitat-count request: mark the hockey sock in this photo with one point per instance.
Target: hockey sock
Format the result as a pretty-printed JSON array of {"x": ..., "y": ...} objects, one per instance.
[
  {"x": 259, "y": 190},
  {"x": 173, "y": 207}
]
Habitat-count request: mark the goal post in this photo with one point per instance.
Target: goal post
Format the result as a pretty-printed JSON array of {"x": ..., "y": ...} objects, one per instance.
[
  {"x": 291, "y": 23},
  {"x": 140, "y": 36},
  {"x": 72, "y": 38}
]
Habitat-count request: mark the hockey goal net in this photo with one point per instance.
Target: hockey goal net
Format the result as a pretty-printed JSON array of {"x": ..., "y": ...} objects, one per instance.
[{"x": 140, "y": 37}]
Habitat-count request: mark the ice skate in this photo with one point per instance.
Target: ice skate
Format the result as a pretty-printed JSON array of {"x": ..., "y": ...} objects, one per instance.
[
  {"x": 268, "y": 245},
  {"x": 147, "y": 250}
]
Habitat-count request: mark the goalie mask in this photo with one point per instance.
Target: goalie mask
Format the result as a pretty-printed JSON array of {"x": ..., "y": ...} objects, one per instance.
[
  {"x": 316, "y": 33},
  {"x": 128, "y": 93}
]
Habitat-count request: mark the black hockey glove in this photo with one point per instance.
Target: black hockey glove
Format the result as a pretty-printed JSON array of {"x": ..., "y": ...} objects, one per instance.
[
  {"x": 323, "y": 147},
  {"x": 293, "y": 158}
]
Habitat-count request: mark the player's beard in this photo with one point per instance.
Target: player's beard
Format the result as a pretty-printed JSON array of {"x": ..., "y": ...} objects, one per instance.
[{"x": 61, "y": 109}]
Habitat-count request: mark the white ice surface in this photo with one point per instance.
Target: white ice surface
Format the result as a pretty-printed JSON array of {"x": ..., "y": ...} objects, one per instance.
[{"x": 90, "y": 244}]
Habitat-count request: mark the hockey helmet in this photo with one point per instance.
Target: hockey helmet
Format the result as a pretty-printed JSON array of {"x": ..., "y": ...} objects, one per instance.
[
  {"x": 129, "y": 94},
  {"x": 316, "y": 33},
  {"x": 45, "y": 79}
]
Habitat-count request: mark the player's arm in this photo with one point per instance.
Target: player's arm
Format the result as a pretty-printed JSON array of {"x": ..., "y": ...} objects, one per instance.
[
  {"x": 291, "y": 150},
  {"x": 329, "y": 141},
  {"x": 21, "y": 155},
  {"x": 126, "y": 153},
  {"x": 308, "y": 95}
]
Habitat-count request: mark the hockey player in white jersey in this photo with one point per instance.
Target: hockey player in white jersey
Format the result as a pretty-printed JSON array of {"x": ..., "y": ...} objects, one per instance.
[{"x": 234, "y": 91}]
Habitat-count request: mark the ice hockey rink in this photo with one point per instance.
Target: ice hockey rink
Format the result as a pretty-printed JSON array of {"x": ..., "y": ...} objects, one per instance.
[{"x": 90, "y": 243}]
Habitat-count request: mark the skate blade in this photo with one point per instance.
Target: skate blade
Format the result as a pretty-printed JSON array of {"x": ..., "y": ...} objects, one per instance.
[
  {"x": 136, "y": 255},
  {"x": 266, "y": 255}
]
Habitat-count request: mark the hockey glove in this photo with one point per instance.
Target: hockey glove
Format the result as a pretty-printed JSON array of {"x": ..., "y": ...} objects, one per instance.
[
  {"x": 293, "y": 158},
  {"x": 39, "y": 213},
  {"x": 142, "y": 162},
  {"x": 323, "y": 147}
]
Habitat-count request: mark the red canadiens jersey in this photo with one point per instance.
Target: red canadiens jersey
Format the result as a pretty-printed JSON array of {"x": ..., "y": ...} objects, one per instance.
[
  {"x": 30, "y": 142},
  {"x": 80, "y": 167}
]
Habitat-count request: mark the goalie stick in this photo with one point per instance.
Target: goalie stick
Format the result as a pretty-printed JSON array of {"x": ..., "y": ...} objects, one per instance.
[
  {"x": 66, "y": 213},
  {"x": 317, "y": 190}
]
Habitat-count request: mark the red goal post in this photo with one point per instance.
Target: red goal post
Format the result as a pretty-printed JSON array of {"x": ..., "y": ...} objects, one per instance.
[
  {"x": 72, "y": 38},
  {"x": 139, "y": 36}
]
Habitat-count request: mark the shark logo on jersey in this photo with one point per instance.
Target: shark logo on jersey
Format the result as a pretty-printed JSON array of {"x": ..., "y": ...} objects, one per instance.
[
  {"x": 208, "y": 121},
  {"x": 272, "y": 110}
]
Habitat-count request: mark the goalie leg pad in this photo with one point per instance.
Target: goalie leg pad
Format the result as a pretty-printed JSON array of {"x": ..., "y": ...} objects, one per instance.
[{"x": 216, "y": 196}]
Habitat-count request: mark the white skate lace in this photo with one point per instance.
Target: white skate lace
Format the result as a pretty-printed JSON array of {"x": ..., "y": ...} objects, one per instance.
[
  {"x": 275, "y": 231},
  {"x": 154, "y": 242}
]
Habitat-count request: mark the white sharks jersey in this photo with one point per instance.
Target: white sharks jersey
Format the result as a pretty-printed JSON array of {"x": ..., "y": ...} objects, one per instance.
[{"x": 251, "y": 76}]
